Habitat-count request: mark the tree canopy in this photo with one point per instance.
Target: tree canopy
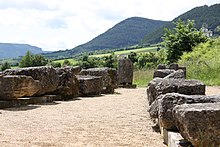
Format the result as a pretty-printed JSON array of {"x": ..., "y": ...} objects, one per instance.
[
  {"x": 31, "y": 60},
  {"x": 182, "y": 39},
  {"x": 5, "y": 66}
]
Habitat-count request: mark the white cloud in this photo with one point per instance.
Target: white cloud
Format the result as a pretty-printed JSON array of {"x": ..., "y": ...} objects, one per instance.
[{"x": 62, "y": 24}]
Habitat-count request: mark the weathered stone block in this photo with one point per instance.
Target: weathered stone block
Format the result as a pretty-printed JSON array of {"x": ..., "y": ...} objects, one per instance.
[
  {"x": 108, "y": 75},
  {"x": 24, "y": 101},
  {"x": 151, "y": 90},
  {"x": 184, "y": 70},
  {"x": 161, "y": 66},
  {"x": 199, "y": 123},
  {"x": 125, "y": 71},
  {"x": 179, "y": 74},
  {"x": 160, "y": 86},
  {"x": 47, "y": 77},
  {"x": 90, "y": 85},
  {"x": 153, "y": 110},
  {"x": 167, "y": 102},
  {"x": 176, "y": 140},
  {"x": 174, "y": 66},
  {"x": 16, "y": 86},
  {"x": 190, "y": 87},
  {"x": 68, "y": 86},
  {"x": 161, "y": 73}
]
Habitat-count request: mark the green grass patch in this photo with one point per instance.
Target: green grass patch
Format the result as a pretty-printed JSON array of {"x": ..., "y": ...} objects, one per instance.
[
  {"x": 143, "y": 77},
  {"x": 208, "y": 72},
  {"x": 203, "y": 63},
  {"x": 126, "y": 52},
  {"x": 72, "y": 61}
]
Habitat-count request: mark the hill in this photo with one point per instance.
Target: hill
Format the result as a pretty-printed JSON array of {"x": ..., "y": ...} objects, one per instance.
[
  {"x": 204, "y": 15},
  {"x": 10, "y": 50},
  {"x": 124, "y": 34}
]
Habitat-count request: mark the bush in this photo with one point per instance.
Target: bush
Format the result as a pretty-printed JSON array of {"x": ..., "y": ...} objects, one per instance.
[{"x": 5, "y": 66}]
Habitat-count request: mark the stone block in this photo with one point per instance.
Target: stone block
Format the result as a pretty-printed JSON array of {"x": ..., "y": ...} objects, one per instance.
[
  {"x": 161, "y": 66},
  {"x": 125, "y": 71},
  {"x": 161, "y": 73},
  {"x": 176, "y": 140},
  {"x": 16, "y": 86},
  {"x": 199, "y": 123},
  {"x": 90, "y": 85},
  {"x": 160, "y": 86},
  {"x": 179, "y": 74},
  {"x": 47, "y": 77},
  {"x": 167, "y": 102},
  {"x": 108, "y": 75},
  {"x": 68, "y": 86},
  {"x": 174, "y": 66}
]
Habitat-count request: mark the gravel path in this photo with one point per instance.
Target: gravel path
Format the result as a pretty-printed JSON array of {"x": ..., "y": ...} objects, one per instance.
[
  {"x": 110, "y": 120},
  {"x": 212, "y": 90}
]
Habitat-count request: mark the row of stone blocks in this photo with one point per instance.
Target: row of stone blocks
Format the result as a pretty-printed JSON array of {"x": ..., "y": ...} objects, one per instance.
[
  {"x": 45, "y": 84},
  {"x": 181, "y": 105}
]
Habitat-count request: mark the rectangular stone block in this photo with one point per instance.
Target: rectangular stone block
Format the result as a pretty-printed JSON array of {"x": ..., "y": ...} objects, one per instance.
[
  {"x": 109, "y": 77},
  {"x": 176, "y": 140},
  {"x": 90, "y": 85},
  {"x": 167, "y": 102},
  {"x": 199, "y": 123},
  {"x": 125, "y": 71}
]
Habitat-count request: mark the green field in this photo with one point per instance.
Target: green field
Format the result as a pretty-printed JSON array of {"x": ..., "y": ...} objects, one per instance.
[
  {"x": 72, "y": 61},
  {"x": 143, "y": 77},
  {"x": 125, "y": 52}
]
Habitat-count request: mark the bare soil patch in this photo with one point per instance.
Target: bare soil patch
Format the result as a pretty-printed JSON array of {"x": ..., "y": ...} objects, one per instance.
[{"x": 120, "y": 119}]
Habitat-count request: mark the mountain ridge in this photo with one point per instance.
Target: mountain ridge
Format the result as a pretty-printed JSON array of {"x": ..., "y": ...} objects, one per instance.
[
  {"x": 137, "y": 30},
  {"x": 126, "y": 33},
  {"x": 208, "y": 15},
  {"x": 14, "y": 50}
]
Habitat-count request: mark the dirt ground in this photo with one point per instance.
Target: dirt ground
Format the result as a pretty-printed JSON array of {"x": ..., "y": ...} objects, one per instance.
[{"x": 110, "y": 120}]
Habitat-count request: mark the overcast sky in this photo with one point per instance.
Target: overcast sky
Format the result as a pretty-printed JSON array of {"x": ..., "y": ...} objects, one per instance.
[{"x": 64, "y": 24}]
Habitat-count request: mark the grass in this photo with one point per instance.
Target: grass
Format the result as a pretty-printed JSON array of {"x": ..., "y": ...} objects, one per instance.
[
  {"x": 72, "y": 61},
  {"x": 203, "y": 63},
  {"x": 125, "y": 52},
  {"x": 208, "y": 72},
  {"x": 143, "y": 77}
]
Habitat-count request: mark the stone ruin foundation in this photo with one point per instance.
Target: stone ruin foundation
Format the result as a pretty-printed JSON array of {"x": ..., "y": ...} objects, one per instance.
[
  {"x": 125, "y": 73},
  {"x": 36, "y": 85},
  {"x": 186, "y": 116}
]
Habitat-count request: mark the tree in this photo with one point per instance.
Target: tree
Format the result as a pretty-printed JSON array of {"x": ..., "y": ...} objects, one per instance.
[
  {"x": 109, "y": 61},
  {"x": 133, "y": 57},
  {"x": 30, "y": 60},
  {"x": 142, "y": 60},
  {"x": 87, "y": 62},
  {"x": 182, "y": 39},
  {"x": 217, "y": 30},
  {"x": 5, "y": 66},
  {"x": 38, "y": 60},
  {"x": 26, "y": 60}
]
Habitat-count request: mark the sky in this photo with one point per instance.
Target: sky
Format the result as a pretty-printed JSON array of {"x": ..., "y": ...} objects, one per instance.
[{"x": 63, "y": 24}]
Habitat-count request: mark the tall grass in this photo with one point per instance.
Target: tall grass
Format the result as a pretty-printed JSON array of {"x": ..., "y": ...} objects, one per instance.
[
  {"x": 143, "y": 77},
  {"x": 203, "y": 63},
  {"x": 208, "y": 72}
]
